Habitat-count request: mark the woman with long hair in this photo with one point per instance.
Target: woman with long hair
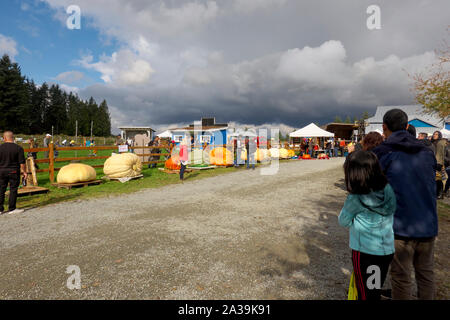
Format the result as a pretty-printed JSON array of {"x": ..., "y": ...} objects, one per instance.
[{"x": 439, "y": 151}]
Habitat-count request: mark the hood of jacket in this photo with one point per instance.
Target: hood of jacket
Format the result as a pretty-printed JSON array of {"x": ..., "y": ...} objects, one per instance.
[
  {"x": 382, "y": 202},
  {"x": 400, "y": 141}
]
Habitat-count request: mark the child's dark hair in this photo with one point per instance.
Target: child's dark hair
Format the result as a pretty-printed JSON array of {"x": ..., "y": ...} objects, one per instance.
[{"x": 363, "y": 173}]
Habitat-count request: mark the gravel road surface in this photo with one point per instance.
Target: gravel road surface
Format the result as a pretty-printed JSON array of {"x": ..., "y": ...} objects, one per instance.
[{"x": 240, "y": 235}]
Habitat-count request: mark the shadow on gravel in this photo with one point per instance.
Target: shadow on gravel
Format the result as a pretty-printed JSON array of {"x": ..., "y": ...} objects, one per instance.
[
  {"x": 340, "y": 184},
  {"x": 52, "y": 200},
  {"x": 316, "y": 261}
]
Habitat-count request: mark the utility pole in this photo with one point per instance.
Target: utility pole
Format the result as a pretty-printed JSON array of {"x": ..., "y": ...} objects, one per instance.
[
  {"x": 76, "y": 137},
  {"x": 92, "y": 123}
]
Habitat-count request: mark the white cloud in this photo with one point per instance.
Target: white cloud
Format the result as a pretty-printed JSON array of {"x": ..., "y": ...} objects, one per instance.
[
  {"x": 69, "y": 89},
  {"x": 124, "y": 67},
  {"x": 8, "y": 46},
  {"x": 247, "y": 6},
  {"x": 157, "y": 18},
  {"x": 70, "y": 77}
]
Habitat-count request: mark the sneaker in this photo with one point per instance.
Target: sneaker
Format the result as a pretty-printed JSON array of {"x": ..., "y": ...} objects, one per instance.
[{"x": 16, "y": 211}]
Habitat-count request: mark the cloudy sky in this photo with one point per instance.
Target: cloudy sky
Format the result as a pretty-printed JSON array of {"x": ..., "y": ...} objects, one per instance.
[{"x": 281, "y": 62}]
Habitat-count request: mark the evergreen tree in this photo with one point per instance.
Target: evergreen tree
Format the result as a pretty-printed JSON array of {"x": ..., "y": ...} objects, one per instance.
[
  {"x": 104, "y": 120},
  {"x": 28, "y": 109},
  {"x": 337, "y": 119},
  {"x": 14, "y": 98}
]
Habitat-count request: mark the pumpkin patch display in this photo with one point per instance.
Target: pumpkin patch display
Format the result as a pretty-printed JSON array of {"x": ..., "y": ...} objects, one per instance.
[
  {"x": 221, "y": 157},
  {"x": 173, "y": 163},
  {"x": 261, "y": 154},
  {"x": 274, "y": 153},
  {"x": 284, "y": 153},
  {"x": 291, "y": 153},
  {"x": 123, "y": 165},
  {"x": 244, "y": 154},
  {"x": 76, "y": 172}
]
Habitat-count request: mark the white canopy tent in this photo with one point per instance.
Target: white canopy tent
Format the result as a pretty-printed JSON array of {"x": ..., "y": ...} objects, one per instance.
[
  {"x": 311, "y": 131},
  {"x": 165, "y": 134}
]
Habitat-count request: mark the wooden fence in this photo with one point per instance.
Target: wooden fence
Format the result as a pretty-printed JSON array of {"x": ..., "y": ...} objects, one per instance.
[{"x": 51, "y": 160}]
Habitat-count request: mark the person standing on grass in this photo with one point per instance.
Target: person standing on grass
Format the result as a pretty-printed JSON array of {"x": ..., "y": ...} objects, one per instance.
[
  {"x": 369, "y": 213},
  {"x": 410, "y": 168},
  {"x": 447, "y": 169},
  {"x": 439, "y": 151},
  {"x": 184, "y": 156},
  {"x": 47, "y": 140},
  {"x": 157, "y": 151},
  {"x": 12, "y": 160},
  {"x": 250, "y": 146}
]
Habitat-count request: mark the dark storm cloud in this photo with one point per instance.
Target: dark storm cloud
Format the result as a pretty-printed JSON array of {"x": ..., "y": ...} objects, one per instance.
[{"x": 259, "y": 61}]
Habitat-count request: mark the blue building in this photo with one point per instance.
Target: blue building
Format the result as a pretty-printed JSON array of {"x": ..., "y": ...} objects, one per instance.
[
  {"x": 422, "y": 121},
  {"x": 204, "y": 131}
]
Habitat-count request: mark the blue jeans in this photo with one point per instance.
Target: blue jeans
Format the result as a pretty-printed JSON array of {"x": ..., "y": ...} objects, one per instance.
[
  {"x": 250, "y": 159},
  {"x": 237, "y": 160}
]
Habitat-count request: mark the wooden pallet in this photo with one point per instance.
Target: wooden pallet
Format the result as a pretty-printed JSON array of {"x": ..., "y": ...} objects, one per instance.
[
  {"x": 174, "y": 171},
  {"x": 78, "y": 184},
  {"x": 117, "y": 179},
  {"x": 202, "y": 168},
  {"x": 29, "y": 191}
]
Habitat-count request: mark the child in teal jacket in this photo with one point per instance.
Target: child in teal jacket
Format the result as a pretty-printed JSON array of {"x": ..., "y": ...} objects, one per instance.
[{"x": 369, "y": 213}]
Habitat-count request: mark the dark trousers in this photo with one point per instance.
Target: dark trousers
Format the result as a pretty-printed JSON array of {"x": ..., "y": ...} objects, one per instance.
[
  {"x": 11, "y": 177},
  {"x": 183, "y": 167},
  {"x": 418, "y": 257},
  {"x": 361, "y": 263}
]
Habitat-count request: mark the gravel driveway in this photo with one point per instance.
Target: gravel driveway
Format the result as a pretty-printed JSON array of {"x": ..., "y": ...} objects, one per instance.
[{"x": 240, "y": 235}]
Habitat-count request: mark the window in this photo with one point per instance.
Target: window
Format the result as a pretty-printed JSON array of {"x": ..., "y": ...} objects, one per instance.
[
  {"x": 205, "y": 139},
  {"x": 177, "y": 138}
]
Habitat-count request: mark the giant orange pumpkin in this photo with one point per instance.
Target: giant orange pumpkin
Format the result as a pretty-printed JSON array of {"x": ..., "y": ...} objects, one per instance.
[
  {"x": 173, "y": 163},
  {"x": 221, "y": 157}
]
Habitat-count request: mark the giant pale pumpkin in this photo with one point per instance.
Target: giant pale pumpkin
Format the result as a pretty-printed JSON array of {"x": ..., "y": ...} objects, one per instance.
[
  {"x": 173, "y": 163},
  {"x": 221, "y": 157},
  {"x": 123, "y": 165},
  {"x": 274, "y": 152},
  {"x": 284, "y": 153},
  {"x": 261, "y": 154},
  {"x": 291, "y": 153},
  {"x": 76, "y": 172},
  {"x": 244, "y": 154}
]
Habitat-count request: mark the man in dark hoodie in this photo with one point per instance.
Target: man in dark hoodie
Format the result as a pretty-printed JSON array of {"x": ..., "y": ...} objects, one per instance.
[{"x": 410, "y": 167}]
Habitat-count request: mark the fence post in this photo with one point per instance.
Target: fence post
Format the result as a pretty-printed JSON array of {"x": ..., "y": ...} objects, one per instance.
[{"x": 51, "y": 165}]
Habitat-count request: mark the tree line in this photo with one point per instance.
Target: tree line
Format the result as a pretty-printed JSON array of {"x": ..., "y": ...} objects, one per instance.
[{"x": 27, "y": 108}]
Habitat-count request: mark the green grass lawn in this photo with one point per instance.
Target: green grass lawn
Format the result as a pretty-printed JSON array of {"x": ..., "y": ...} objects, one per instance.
[{"x": 153, "y": 178}]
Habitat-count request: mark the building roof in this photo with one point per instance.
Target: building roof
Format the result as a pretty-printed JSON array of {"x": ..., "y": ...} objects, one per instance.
[
  {"x": 413, "y": 112},
  {"x": 207, "y": 128},
  {"x": 335, "y": 125},
  {"x": 136, "y": 128}
]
